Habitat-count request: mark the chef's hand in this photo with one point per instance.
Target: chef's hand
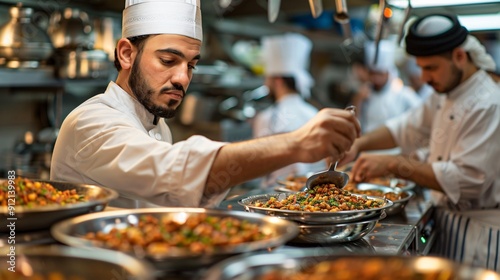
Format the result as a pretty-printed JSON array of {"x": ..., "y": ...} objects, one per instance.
[
  {"x": 369, "y": 166},
  {"x": 349, "y": 156},
  {"x": 330, "y": 133}
]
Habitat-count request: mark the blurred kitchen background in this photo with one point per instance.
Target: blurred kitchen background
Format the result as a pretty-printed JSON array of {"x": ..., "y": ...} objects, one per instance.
[{"x": 55, "y": 54}]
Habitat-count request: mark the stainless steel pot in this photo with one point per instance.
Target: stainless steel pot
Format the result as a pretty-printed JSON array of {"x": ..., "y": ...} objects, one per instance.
[
  {"x": 80, "y": 64},
  {"x": 71, "y": 29},
  {"x": 23, "y": 43}
]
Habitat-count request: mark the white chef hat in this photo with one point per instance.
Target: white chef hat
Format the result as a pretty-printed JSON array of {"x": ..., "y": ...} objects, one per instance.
[
  {"x": 289, "y": 55},
  {"x": 144, "y": 17},
  {"x": 386, "y": 56}
]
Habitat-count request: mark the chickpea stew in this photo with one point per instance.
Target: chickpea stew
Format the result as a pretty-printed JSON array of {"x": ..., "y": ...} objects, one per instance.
[
  {"x": 198, "y": 233},
  {"x": 322, "y": 198},
  {"x": 30, "y": 193}
]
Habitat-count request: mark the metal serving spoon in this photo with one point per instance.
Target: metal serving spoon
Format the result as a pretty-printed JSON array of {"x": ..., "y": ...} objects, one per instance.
[{"x": 330, "y": 176}]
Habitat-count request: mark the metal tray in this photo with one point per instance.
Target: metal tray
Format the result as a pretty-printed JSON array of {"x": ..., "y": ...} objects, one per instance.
[
  {"x": 299, "y": 181},
  {"x": 291, "y": 261},
  {"x": 71, "y": 232},
  {"x": 336, "y": 233},
  {"x": 313, "y": 217},
  {"x": 42, "y": 217},
  {"x": 73, "y": 263},
  {"x": 398, "y": 205}
]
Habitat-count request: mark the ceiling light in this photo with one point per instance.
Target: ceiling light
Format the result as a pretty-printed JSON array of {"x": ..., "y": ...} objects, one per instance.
[
  {"x": 437, "y": 3},
  {"x": 480, "y": 22}
]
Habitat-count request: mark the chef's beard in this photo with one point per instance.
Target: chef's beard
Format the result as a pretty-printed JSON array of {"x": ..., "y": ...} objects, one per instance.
[
  {"x": 456, "y": 79},
  {"x": 143, "y": 92},
  {"x": 272, "y": 95}
]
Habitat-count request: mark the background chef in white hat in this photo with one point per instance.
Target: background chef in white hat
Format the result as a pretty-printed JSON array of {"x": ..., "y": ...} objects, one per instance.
[
  {"x": 385, "y": 96},
  {"x": 286, "y": 61},
  {"x": 119, "y": 139},
  {"x": 460, "y": 126}
]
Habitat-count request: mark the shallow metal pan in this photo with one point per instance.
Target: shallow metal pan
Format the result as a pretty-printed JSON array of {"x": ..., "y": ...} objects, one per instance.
[
  {"x": 336, "y": 233},
  {"x": 42, "y": 217},
  {"x": 398, "y": 205},
  {"x": 313, "y": 217},
  {"x": 71, "y": 263},
  {"x": 71, "y": 232},
  {"x": 290, "y": 262}
]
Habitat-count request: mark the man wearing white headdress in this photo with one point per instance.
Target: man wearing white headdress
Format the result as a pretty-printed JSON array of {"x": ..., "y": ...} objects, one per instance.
[
  {"x": 385, "y": 96},
  {"x": 119, "y": 139},
  {"x": 286, "y": 61},
  {"x": 460, "y": 126}
]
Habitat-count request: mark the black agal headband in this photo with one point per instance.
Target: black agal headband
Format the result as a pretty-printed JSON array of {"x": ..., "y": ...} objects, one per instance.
[{"x": 419, "y": 44}]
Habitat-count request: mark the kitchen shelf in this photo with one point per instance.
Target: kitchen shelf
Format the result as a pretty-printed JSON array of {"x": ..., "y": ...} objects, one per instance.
[
  {"x": 42, "y": 78},
  {"x": 99, "y": 7}
]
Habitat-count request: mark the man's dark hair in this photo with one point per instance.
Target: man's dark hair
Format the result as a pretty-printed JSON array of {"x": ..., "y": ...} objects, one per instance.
[
  {"x": 290, "y": 83},
  {"x": 138, "y": 42}
]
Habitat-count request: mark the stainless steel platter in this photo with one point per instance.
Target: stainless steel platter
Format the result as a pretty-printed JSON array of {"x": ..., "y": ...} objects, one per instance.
[
  {"x": 398, "y": 205},
  {"x": 292, "y": 183},
  {"x": 336, "y": 233},
  {"x": 42, "y": 217},
  {"x": 62, "y": 262},
  {"x": 391, "y": 182},
  {"x": 402, "y": 184},
  {"x": 289, "y": 263},
  {"x": 71, "y": 232},
  {"x": 313, "y": 217}
]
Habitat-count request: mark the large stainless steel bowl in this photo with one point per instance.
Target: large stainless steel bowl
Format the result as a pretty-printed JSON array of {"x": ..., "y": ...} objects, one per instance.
[
  {"x": 336, "y": 233},
  {"x": 361, "y": 267},
  {"x": 42, "y": 217},
  {"x": 313, "y": 217},
  {"x": 71, "y": 263},
  {"x": 72, "y": 231}
]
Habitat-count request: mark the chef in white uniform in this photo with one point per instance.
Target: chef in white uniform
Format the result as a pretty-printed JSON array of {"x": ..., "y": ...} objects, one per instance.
[
  {"x": 461, "y": 126},
  {"x": 286, "y": 61},
  {"x": 414, "y": 73},
  {"x": 385, "y": 96},
  {"x": 119, "y": 139}
]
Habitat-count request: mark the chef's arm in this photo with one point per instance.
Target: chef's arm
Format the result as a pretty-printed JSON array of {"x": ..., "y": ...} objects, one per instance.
[
  {"x": 421, "y": 173},
  {"x": 378, "y": 139},
  {"x": 330, "y": 133},
  {"x": 236, "y": 163}
]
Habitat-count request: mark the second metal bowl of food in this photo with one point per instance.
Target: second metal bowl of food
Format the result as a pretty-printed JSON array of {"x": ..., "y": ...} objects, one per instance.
[
  {"x": 307, "y": 217},
  {"x": 277, "y": 232}
]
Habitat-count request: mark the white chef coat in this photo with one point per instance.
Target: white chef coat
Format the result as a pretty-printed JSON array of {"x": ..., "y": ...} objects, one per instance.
[
  {"x": 110, "y": 140},
  {"x": 425, "y": 91},
  {"x": 392, "y": 100},
  {"x": 463, "y": 132},
  {"x": 287, "y": 114}
]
